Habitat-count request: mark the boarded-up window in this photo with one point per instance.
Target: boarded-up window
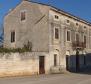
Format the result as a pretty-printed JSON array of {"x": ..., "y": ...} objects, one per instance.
[
  {"x": 56, "y": 33},
  {"x": 12, "y": 36},
  {"x": 23, "y": 16},
  {"x": 68, "y": 35}
]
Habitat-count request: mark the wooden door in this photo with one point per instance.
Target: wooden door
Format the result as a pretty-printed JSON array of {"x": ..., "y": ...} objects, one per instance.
[{"x": 41, "y": 64}]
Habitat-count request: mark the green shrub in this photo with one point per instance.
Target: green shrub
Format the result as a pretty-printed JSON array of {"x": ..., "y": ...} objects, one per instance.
[
  {"x": 9, "y": 50},
  {"x": 26, "y": 48}
]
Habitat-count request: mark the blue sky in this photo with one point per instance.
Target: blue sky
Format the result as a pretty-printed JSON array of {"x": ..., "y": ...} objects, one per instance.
[{"x": 80, "y": 8}]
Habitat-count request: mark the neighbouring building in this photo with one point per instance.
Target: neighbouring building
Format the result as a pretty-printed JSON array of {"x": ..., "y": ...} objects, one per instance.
[{"x": 55, "y": 35}]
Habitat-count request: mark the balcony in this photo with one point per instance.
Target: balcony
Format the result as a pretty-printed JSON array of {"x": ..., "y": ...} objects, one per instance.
[{"x": 78, "y": 45}]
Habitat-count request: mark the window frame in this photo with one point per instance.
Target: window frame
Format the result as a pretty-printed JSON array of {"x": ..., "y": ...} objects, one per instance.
[
  {"x": 23, "y": 11},
  {"x": 55, "y": 33},
  {"x": 77, "y": 24},
  {"x": 67, "y": 36},
  {"x": 85, "y": 40},
  {"x": 85, "y": 27},
  {"x": 66, "y": 21},
  {"x": 57, "y": 19},
  {"x": 55, "y": 59},
  {"x": 13, "y": 36},
  {"x": 76, "y": 36}
]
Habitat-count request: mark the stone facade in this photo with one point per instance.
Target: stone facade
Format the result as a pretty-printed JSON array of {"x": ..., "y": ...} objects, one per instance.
[
  {"x": 39, "y": 28},
  {"x": 63, "y": 46},
  {"x": 28, "y": 30}
]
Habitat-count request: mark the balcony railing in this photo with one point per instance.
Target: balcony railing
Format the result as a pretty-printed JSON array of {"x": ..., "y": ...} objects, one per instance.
[{"x": 78, "y": 45}]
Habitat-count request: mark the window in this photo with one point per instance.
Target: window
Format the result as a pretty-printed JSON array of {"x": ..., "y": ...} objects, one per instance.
[
  {"x": 68, "y": 35},
  {"x": 23, "y": 15},
  {"x": 77, "y": 37},
  {"x": 55, "y": 59},
  {"x": 68, "y": 21},
  {"x": 56, "y": 17},
  {"x": 84, "y": 27},
  {"x": 56, "y": 33},
  {"x": 12, "y": 37},
  {"x": 84, "y": 39},
  {"x": 77, "y": 24}
]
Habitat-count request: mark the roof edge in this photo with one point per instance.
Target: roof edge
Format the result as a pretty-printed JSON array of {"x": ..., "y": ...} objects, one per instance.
[
  {"x": 57, "y": 10},
  {"x": 65, "y": 13}
]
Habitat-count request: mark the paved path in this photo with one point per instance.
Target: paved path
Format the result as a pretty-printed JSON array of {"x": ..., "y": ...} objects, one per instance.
[{"x": 49, "y": 79}]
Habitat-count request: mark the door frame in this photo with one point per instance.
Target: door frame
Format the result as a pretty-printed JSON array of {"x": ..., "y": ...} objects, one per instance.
[{"x": 41, "y": 64}]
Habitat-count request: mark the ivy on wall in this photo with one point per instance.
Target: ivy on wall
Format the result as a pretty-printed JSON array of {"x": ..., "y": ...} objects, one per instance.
[
  {"x": 20, "y": 50},
  {"x": 27, "y": 48}
]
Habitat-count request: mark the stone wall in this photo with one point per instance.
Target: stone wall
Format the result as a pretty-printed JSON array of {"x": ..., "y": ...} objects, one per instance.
[
  {"x": 34, "y": 28},
  {"x": 17, "y": 64}
]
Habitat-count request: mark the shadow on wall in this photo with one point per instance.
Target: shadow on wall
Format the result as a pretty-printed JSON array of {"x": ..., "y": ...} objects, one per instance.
[{"x": 79, "y": 63}]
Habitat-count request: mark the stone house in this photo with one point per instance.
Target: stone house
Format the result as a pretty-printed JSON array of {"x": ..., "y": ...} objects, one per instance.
[{"x": 51, "y": 32}]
